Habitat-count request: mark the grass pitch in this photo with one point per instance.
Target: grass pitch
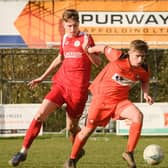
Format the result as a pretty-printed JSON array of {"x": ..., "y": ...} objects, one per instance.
[{"x": 102, "y": 151}]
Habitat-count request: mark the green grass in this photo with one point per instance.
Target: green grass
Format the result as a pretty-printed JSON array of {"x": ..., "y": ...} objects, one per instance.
[{"x": 102, "y": 151}]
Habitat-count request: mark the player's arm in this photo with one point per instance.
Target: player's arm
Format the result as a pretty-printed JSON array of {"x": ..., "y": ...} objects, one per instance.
[
  {"x": 145, "y": 88},
  {"x": 94, "y": 57},
  {"x": 110, "y": 53},
  {"x": 51, "y": 67},
  {"x": 96, "y": 49},
  {"x": 93, "y": 54}
]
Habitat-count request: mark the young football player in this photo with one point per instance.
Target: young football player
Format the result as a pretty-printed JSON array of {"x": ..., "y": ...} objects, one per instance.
[
  {"x": 110, "y": 92},
  {"x": 69, "y": 84}
]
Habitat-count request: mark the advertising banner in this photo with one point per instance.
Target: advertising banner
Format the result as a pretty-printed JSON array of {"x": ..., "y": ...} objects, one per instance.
[
  {"x": 16, "y": 118},
  {"x": 155, "y": 120},
  {"x": 38, "y": 24}
]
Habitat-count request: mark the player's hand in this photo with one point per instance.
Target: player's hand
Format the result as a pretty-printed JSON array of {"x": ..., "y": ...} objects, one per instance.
[
  {"x": 148, "y": 99},
  {"x": 32, "y": 84}
]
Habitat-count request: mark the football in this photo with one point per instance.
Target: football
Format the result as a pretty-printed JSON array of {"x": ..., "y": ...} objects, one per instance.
[{"x": 153, "y": 154}]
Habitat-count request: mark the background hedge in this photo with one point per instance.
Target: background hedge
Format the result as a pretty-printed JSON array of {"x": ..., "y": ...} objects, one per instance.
[{"x": 18, "y": 66}]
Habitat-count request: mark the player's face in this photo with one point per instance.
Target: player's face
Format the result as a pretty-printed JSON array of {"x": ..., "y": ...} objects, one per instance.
[
  {"x": 71, "y": 27},
  {"x": 136, "y": 57}
]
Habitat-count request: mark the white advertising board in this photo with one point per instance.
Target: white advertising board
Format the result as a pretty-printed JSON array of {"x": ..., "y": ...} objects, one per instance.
[
  {"x": 16, "y": 118},
  {"x": 155, "y": 120}
]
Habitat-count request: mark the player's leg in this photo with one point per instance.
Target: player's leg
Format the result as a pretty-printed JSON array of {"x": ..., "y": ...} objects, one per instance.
[
  {"x": 72, "y": 127},
  {"x": 52, "y": 101},
  {"x": 97, "y": 115},
  {"x": 45, "y": 109},
  {"x": 76, "y": 101},
  {"x": 132, "y": 113},
  {"x": 78, "y": 144}
]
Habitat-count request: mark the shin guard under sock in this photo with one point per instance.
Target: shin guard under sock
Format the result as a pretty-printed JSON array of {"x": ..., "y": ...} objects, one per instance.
[
  {"x": 134, "y": 134},
  {"x": 31, "y": 133},
  {"x": 77, "y": 146}
]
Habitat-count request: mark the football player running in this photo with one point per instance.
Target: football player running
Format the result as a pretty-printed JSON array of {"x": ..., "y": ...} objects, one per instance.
[
  {"x": 110, "y": 92},
  {"x": 69, "y": 84}
]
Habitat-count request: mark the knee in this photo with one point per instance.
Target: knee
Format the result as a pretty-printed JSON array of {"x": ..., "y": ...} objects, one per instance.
[
  {"x": 139, "y": 117},
  {"x": 85, "y": 133},
  {"x": 73, "y": 129},
  {"x": 40, "y": 117}
]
